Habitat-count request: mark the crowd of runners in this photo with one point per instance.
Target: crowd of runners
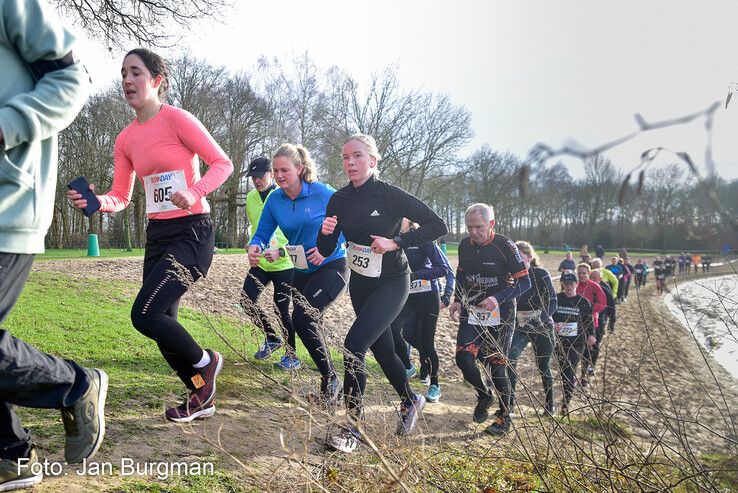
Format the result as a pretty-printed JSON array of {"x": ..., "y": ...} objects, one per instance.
[{"x": 310, "y": 241}]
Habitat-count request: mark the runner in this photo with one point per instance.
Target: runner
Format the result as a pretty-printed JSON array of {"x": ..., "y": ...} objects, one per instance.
[
  {"x": 591, "y": 353},
  {"x": 484, "y": 306},
  {"x": 617, "y": 269},
  {"x": 534, "y": 324},
  {"x": 427, "y": 265},
  {"x": 592, "y": 292},
  {"x": 640, "y": 273},
  {"x": 297, "y": 207},
  {"x": 683, "y": 260},
  {"x": 628, "y": 271},
  {"x": 369, "y": 213},
  {"x": 669, "y": 263},
  {"x": 162, "y": 146},
  {"x": 573, "y": 326},
  {"x": 607, "y": 276},
  {"x": 696, "y": 261},
  {"x": 608, "y": 316},
  {"x": 275, "y": 267},
  {"x": 661, "y": 273},
  {"x": 600, "y": 252},
  {"x": 42, "y": 89},
  {"x": 567, "y": 265},
  {"x": 584, "y": 252}
]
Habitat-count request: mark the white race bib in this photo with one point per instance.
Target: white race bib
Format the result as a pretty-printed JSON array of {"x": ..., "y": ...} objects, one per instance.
[
  {"x": 420, "y": 286},
  {"x": 159, "y": 189},
  {"x": 297, "y": 255},
  {"x": 639, "y": 271},
  {"x": 363, "y": 261},
  {"x": 566, "y": 329},
  {"x": 524, "y": 316},
  {"x": 483, "y": 317}
]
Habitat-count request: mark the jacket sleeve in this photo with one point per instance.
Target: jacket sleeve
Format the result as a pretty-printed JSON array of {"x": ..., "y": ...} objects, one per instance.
[
  {"x": 439, "y": 267},
  {"x": 552, "y": 303},
  {"x": 411, "y": 207},
  {"x": 267, "y": 225},
  {"x": 58, "y": 95},
  {"x": 327, "y": 243}
]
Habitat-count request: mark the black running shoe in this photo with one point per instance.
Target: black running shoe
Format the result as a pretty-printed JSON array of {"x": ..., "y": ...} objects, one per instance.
[{"x": 481, "y": 410}]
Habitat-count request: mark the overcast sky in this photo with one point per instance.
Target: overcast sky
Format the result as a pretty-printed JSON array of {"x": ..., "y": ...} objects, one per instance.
[{"x": 527, "y": 71}]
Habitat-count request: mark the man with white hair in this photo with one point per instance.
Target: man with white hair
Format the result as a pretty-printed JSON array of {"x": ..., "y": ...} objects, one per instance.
[{"x": 490, "y": 276}]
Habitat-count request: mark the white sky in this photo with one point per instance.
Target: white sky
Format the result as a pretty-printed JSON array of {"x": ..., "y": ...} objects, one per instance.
[{"x": 544, "y": 71}]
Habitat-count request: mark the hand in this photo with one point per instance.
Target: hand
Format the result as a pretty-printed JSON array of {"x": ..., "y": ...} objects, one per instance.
[
  {"x": 454, "y": 310},
  {"x": 77, "y": 201},
  {"x": 329, "y": 225},
  {"x": 271, "y": 255},
  {"x": 591, "y": 340},
  {"x": 443, "y": 303},
  {"x": 383, "y": 245},
  {"x": 184, "y": 199},
  {"x": 314, "y": 256},
  {"x": 489, "y": 303},
  {"x": 254, "y": 255}
]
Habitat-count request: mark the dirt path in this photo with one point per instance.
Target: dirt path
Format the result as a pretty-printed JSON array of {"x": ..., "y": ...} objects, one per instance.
[{"x": 652, "y": 373}]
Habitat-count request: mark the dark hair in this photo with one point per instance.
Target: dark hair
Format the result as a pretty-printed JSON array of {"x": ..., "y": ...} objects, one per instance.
[{"x": 156, "y": 65}]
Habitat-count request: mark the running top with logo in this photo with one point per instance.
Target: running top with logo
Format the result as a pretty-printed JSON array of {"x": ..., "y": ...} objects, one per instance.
[
  {"x": 658, "y": 265},
  {"x": 640, "y": 269},
  {"x": 377, "y": 208},
  {"x": 567, "y": 265},
  {"x": 573, "y": 317},
  {"x": 427, "y": 265},
  {"x": 494, "y": 268},
  {"x": 540, "y": 297},
  {"x": 300, "y": 220},
  {"x": 592, "y": 292},
  {"x": 616, "y": 269},
  {"x": 164, "y": 152},
  {"x": 255, "y": 201}
]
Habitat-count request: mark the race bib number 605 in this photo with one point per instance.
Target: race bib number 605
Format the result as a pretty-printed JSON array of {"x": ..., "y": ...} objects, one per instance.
[{"x": 159, "y": 189}]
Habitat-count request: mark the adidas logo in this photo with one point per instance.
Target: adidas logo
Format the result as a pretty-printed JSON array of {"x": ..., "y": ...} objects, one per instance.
[{"x": 375, "y": 213}]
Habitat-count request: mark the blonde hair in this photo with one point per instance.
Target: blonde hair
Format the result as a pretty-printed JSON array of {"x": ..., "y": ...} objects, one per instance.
[
  {"x": 597, "y": 261},
  {"x": 585, "y": 265},
  {"x": 299, "y": 155},
  {"x": 369, "y": 142},
  {"x": 527, "y": 249}
]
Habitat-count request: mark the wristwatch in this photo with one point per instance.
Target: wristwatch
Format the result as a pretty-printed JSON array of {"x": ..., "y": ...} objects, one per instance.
[
  {"x": 398, "y": 239},
  {"x": 282, "y": 253}
]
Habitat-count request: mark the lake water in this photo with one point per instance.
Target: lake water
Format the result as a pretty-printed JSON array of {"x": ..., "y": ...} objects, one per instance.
[{"x": 709, "y": 309}]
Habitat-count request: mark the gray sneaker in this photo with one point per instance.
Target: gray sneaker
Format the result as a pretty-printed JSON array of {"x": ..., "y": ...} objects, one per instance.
[
  {"x": 15, "y": 475},
  {"x": 84, "y": 422}
]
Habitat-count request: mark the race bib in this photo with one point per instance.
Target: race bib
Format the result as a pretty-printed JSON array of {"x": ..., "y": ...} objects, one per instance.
[
  {"x": 639, "y": 271},
  {"x": 363, "y": 261},
  {"x": 566, "y": 329},
  {"x": 483, "y": 317},
  {"x": 159, "y": 189},
  {"x": 420, "y": 286},
  {"x": 523, "y": 317},
  {"x": 297, "y": 255}
]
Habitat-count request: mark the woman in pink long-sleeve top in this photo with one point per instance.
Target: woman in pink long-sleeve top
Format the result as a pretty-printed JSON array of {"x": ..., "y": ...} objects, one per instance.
[{"x": 161, "y": 146}]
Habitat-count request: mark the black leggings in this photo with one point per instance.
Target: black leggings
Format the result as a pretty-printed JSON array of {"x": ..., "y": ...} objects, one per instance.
[
  {"x": 542, "y": 339},
  {"x": 568, "y": 352},
  {"x": 376, "y": 302},
  {"x": 188, "y": 241},
  {"x": 425, "y": 307},
  {"x": 318, "y": 290},
  {"x": 591, "y": 353},
  {"x": 255, "y": 282},
  {"x": 491, "y": 346}
]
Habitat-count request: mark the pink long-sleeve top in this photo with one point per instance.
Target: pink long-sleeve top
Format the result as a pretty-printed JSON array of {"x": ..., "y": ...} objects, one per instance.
[{"x": 170, "y": 141}]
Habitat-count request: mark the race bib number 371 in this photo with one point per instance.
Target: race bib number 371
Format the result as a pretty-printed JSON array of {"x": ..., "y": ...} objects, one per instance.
[
  {"x": 159, "y": 189},
  {"x": 363, "y": 261}
]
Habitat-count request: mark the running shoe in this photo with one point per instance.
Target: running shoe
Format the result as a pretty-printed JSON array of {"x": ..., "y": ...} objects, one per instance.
[
  {"x": 424, "y": 379},
  {"x": 481, "y": 410},
  {"x": 288, "y": 362},
  {"x": 330, "y": 389},
  {"x": 411, "y": 372},
  {"x": 590, "y": 371},
  {"x": 500, "y": 427},
  {"x": 11, "y": 477},
  {"x": 200, "y": 402},
  {"x": 434, "y": 393},
  {"x": 409, "y": 415},
  {"x": 84, "y": 421},
  {"x": 267, "y": 349},
  {"x": 583, "y": 381},
  {"x": 345, "y": 440},
  {"x": 549, "y": 410}
]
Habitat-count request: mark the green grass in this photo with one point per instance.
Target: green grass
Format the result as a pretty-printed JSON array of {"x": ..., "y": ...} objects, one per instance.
[{"x": 67, "y": 253}]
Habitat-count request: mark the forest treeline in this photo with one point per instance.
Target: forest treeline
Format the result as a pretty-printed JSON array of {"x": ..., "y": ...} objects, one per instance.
[{"x": 422, "y": 136}]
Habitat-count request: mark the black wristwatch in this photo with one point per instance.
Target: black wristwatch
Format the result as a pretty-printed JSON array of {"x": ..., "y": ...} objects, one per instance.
[
  {"x": 282, "y": 253},
  {"x": 398, "y": 239}
]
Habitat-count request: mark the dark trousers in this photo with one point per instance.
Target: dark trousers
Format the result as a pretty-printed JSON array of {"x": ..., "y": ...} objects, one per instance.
[
  {"x": 423, "y": 308},
  {"x": 376, "y": 302},
  {"x": 187, "y": 241},
  {"x": 592, "y": 353},
  {"x": 258, "y": 279},
  {"x": 568, "y": 351},
  {"x": 28, "y": 377}
]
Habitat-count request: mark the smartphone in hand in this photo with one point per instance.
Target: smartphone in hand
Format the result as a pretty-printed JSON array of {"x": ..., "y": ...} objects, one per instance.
[{"x": 80, "y": 185}]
